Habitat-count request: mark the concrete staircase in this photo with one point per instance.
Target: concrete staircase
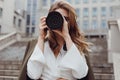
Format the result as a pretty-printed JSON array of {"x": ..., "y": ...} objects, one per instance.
[
  {"x": 103, "y": 71},
  {"x": 98, "y": 57},
  {"x": 9, "y": 70}
]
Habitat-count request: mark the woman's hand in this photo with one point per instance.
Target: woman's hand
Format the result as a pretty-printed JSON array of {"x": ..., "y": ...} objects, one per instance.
[
  {"x": 43, "y": 28},
  {"x": 43, "y": 33},
  {"x": 65, "y": 32}
]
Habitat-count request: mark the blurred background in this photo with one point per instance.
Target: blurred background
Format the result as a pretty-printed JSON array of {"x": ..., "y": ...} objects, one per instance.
[{"x": 98, "y": 19}]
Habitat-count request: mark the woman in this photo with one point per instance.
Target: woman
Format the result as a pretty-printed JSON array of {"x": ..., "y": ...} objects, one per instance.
[{"x": 57, "y": 54}]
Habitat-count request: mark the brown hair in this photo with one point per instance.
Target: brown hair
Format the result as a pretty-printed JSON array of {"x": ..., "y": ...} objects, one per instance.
[{"x": 75, "y": 34}]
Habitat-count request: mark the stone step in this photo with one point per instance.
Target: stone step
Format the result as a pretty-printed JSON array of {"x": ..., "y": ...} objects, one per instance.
[
  {"x": 9, "y": 72},
  {"x": 103, "y": 70},
  {"x": 10, "y": 65},
  {"x": 8, "y": 78},
  {"x": 98, "y": 59},
  {"x": 102, "y": 76},
  {"x": 103, "y": 65},
  {"x": 10, "y": 62}
]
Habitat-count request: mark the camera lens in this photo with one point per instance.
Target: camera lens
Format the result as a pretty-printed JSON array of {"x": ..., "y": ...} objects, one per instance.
[{"x": 54, "y": 20}]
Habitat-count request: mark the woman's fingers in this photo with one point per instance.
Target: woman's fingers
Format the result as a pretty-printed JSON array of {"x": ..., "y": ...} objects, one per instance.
[
  {"x": 42, "y": 17},
  {"x": 43, "y": 22},
  {"x": 43, "y": 27}
]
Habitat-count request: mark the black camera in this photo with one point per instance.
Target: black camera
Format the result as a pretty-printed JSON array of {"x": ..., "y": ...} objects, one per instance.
[{"x": 54, "y": 20}]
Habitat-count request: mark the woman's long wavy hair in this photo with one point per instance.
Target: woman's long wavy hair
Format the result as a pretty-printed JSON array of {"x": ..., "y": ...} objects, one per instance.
[{"x": 74, "y": 31}]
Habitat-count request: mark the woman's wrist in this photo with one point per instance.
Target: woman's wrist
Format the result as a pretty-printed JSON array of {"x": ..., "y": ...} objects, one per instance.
[
  {"x": 67, "y": 37},
  {"x": 41, "y": 36},
  {"x": 68, "y": 41},
  {"x": 41, "y": 43}
]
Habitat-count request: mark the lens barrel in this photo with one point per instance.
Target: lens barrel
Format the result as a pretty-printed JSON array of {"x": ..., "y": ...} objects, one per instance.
[{"x": 54, "y": 20}]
